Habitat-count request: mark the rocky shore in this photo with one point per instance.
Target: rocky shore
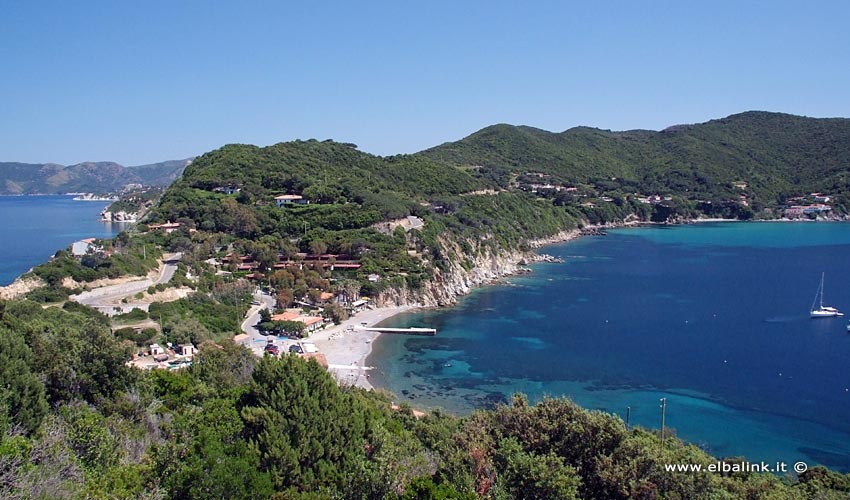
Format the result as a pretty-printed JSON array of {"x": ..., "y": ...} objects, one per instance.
[
  {"x": 458, "y": 280},
  {"x": 20, "y": 287}
]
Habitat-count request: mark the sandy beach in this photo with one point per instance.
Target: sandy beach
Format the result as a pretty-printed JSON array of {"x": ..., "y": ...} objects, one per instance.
[{"x": 346, "y": 346}]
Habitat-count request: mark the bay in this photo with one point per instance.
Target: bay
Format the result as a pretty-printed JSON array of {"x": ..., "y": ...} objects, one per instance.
[
  {"x": 712, "y": 316},
  {"x": 35, "y": 227}
]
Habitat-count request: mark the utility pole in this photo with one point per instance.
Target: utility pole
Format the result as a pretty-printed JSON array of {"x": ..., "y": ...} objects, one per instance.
[
  {"x": 628, "y": 416},
  {"x": 663, "y": 416},
  {"x": 162, "y": 331}
]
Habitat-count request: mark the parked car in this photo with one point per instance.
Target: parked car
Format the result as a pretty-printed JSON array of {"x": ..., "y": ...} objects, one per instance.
[
  {"x": 272, "y": 349},
  {"x": 296, "y": 349}
]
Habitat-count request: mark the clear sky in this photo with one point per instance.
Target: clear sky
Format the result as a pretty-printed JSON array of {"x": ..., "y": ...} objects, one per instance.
[{"x": 144, "y": 81}]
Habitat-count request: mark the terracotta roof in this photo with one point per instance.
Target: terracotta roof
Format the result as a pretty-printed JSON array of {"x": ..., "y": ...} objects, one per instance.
[{"x": 287, "y": 316}]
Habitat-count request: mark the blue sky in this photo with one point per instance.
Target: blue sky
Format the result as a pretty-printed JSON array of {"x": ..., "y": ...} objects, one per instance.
[{"x": 139, "y": 82}]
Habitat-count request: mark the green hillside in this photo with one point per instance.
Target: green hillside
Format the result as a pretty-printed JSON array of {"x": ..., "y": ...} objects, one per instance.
[
  {"x": 776, "y": 154},
  {"x": 482, "y": 193},
  {"x": 349, "y": 192},
  {"x": 160, "y": 174}
]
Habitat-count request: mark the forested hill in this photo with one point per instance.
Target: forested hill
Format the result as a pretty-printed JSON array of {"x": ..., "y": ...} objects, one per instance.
[
  {"x": 498, "y": 189},
  {"x": 328, "y": 172},
  {"x": 775, "y": 154},
  {"x": 92, "y": 177}
]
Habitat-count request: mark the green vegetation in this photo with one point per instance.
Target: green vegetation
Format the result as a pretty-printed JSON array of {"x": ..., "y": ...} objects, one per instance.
[
  {"x": 289, "y": 328},
  {"x": 776, "y": 155},
  {"x": 77, "y": 423},
  {"x": 132, "y": 316},
  {"x": 137, "y": 200},
  {"x": 492, "y": 191},
  {"x": 122, "y": 256}
]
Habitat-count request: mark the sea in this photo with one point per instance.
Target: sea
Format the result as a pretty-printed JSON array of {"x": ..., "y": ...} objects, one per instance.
[
  {"x": 35, "y": 227},
  {"x": 714, "y": 317}
]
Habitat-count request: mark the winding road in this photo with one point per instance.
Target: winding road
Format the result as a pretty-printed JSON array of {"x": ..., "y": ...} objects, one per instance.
[
  {"x": 252, "y": 317},
  {"x": 108, "y": 299}
]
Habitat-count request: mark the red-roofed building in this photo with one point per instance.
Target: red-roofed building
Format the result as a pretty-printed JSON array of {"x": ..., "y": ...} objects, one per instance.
[
  {"x": 312, "y": 322},
  {"x": 286, "y": 316}
]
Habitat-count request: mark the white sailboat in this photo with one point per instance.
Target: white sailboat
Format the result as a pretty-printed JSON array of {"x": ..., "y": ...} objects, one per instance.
[{"x": 823, "y": 311}]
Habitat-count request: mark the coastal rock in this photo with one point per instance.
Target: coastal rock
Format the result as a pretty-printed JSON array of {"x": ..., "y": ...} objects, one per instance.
[
  {"x": 20, "y": 287},
  {"x": 466, "y": 272}
]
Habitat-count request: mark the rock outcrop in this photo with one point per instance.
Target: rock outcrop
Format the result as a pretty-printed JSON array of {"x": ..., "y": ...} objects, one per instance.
[
  {"x": 20, "y": 287},
  {"x": 465, "y": 272}
]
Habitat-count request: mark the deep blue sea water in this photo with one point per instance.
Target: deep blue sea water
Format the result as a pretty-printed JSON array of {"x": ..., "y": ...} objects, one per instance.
[
  {"x": 712, "y": 316},
  {"x": 35, "y": 227}
]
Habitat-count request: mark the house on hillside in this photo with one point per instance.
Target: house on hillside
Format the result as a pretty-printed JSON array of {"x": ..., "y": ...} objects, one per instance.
[
  {"x": 186, "y": 350},
  {"x": 227, "y": 189},
  {"x": 168, "y": 227},
  {"x": 286, "y": 200},
  {"x": 82, "y": 247}
]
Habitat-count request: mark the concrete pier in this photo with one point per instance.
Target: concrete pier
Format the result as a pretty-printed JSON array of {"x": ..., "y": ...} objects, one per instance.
[{"x": 404, "y": 331}]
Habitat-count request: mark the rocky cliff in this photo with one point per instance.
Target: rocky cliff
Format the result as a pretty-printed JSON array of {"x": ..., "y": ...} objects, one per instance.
[{"x": 465, "y": 272}]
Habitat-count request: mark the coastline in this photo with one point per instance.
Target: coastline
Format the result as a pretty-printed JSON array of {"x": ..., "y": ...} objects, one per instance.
[
  {"x": 347, "y": 352},
  {"x": 346, "y": 346}
]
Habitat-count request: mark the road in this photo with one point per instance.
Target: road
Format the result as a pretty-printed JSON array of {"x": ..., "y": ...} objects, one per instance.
[
  {"x": 252, "y": 317},
  {"x": 107, "y": 299}
]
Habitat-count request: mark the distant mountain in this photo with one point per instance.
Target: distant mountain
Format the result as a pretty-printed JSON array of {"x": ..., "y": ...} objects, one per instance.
[
  {"x": 162, "y": 173},
  {"x": 774, "y": 153},
  {"x": 95, "y": 177}
]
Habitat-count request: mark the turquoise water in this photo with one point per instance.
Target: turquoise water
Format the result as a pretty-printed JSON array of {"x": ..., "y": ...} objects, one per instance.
[
  {"x": 712, "y": 316},
  {"x": 35, "y": 227}
]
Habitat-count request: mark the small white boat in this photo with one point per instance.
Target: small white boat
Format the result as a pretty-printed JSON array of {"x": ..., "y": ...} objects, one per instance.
[{"x": 823, "y": 311}]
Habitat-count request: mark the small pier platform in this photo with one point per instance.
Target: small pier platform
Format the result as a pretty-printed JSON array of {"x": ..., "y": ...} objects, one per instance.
[{"x": 404, "y": 331}]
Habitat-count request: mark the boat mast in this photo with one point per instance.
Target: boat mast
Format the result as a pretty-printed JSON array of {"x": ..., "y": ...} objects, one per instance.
[{"x": 819, "y": 293}]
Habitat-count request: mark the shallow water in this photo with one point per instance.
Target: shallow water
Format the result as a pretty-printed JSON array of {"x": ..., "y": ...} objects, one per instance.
[{"x": 712, "y": 316}]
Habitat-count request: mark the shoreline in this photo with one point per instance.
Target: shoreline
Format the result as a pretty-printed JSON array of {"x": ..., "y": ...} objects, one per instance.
[
  {"x": 346, "y": 346},
  {"x": 347, "y": 358},
  {"x": 347, "y": 351}
]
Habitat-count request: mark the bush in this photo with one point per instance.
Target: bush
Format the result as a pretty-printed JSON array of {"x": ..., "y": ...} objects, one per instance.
[
  {"x": 49, "y": 294},
  {"x": 135, "y": 315}
]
